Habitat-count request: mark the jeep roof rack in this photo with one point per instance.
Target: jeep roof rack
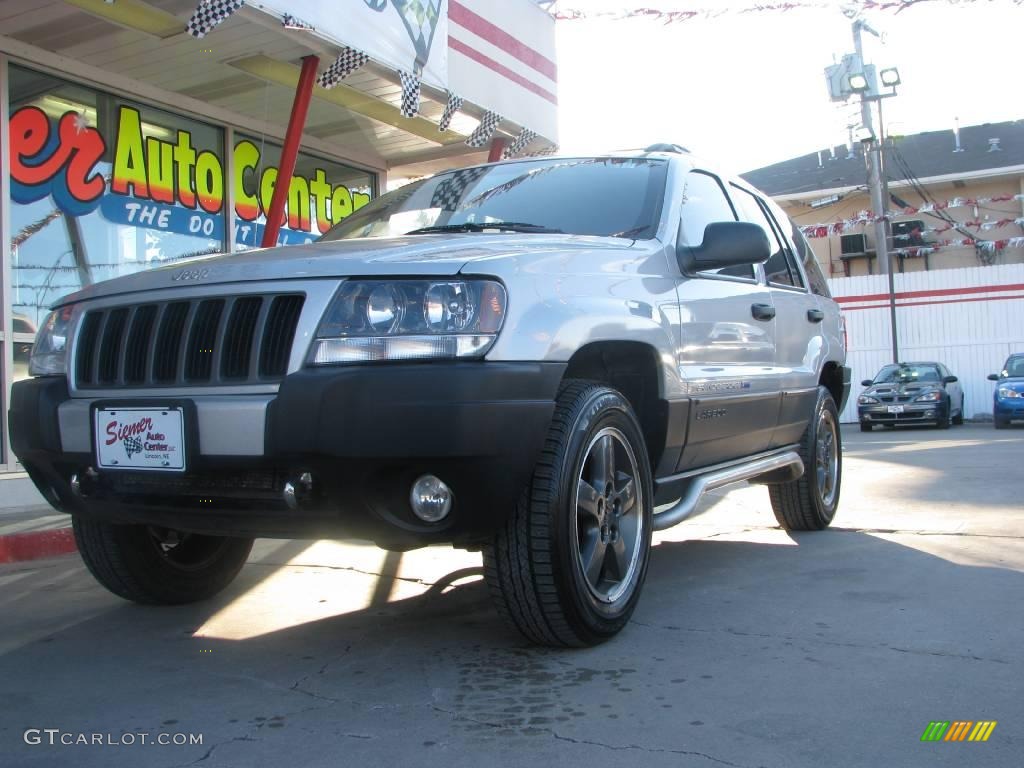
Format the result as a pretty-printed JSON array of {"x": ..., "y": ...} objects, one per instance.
[{"x": 677, "y": 149}]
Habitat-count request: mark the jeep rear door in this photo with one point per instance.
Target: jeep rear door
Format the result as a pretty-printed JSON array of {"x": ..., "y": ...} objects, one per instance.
[
  {"x": 799, "y": 338},
  {"x": 726, "y": 349}
]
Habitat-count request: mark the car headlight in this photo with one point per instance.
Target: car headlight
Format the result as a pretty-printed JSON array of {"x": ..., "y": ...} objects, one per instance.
[
  {"x": 1006, "y": 392},
  {"x": 866, "y": 400},
  {"x": 50, "y": 352},
  {"x": 380, "y": 320},
  {"x": 928, "y": 397}
]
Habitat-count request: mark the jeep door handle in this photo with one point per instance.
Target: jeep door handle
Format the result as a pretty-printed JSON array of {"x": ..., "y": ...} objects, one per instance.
[
  {"x": 815, "y": 315},
  {"x": 762, "y": 311}
]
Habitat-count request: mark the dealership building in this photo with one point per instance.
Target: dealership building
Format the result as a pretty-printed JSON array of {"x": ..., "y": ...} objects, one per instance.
[{"x": 138, "y": 133}]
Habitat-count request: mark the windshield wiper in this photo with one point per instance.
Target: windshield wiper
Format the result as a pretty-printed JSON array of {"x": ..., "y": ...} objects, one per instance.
[
  {"x": 632, "y": 233},
  {"x": 471, "y": 226}
]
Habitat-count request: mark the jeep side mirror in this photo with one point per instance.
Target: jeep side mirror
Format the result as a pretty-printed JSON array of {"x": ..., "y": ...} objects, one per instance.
[
  {"x": 949, "y": 379},
  {"x": 726, "y": 244},
  {"x": 993, "y": 377},
  {"x": 866, "y": 383}
]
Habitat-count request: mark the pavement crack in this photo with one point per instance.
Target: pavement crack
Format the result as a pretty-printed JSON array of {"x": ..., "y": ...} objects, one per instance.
[
  {"x": 560, "y": 737},
  {"x": 817, "y": 641},
  {"x": 637, "y": 747},
  {"x": 296, "y": 686},
  {"x": 346, "y": 568},
  {"x": 215, "y": 747}
]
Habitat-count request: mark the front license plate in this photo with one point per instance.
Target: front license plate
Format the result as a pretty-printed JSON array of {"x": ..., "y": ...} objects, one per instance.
[
  {"x": 140, "y": 438},
  {"x": 895, "y": 409}
]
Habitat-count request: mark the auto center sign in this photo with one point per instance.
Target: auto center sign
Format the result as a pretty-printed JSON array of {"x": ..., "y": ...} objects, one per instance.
[{"x": 158, "y": 184}]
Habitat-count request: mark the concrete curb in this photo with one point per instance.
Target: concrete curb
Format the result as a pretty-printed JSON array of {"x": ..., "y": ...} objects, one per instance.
[{"x": 36, "y": 545}]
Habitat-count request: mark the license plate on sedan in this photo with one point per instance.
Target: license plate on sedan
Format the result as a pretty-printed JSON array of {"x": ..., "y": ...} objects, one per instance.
[
  {"x": 140, "y": 438},
  {"x": 894, "y": 409}
]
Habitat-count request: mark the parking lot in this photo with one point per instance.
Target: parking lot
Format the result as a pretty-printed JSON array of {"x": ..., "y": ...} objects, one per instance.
[{"x": 751, "y": 647}]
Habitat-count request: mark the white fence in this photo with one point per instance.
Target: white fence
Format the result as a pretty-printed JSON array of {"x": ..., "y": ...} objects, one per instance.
[{"x": 968, "y": 319}]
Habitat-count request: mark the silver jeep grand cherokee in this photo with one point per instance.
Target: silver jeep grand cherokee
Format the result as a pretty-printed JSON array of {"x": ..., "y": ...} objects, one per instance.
[{"x": 525, "y": 358}]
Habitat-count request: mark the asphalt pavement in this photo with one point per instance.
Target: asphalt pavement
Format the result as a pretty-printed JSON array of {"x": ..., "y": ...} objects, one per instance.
[{"x": 750, "y": 647}]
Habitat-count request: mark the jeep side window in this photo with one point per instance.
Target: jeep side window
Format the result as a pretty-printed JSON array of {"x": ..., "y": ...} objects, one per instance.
[
  {"x": 705, "y": 202},
  {"x": 811, "y": 268},
  {"x": 776, "y": 217},
  {"x": 777, "y": 267}
]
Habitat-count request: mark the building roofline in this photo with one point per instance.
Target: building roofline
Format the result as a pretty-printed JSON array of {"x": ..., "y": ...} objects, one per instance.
[{"x": 988, "y": 173}]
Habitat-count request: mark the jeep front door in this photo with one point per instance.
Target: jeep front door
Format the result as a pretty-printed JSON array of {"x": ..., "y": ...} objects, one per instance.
[{"x": 726, "y": 342}]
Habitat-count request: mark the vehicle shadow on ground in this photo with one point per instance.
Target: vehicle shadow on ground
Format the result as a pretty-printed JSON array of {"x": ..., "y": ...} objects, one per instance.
[{"x": 735, "y": 645}]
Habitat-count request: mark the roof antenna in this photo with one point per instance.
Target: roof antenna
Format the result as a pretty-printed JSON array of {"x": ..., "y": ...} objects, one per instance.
[{"x": 956, "y": 134}]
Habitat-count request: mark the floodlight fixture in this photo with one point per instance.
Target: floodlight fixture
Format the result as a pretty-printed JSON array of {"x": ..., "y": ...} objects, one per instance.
[
  {"x": 890, "y": 77},
  {"x": 858, "y": 82}
]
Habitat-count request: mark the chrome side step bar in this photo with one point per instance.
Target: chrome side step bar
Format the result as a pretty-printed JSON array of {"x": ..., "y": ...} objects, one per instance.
[{"x": 784, "y": 465}]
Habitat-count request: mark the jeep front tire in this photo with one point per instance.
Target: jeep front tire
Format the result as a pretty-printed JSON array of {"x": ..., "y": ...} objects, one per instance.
[{"x": 567, "y": 567}]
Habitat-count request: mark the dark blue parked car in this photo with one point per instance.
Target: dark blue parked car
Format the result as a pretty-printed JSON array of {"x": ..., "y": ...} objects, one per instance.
[{"x": 1008, "y": 399}]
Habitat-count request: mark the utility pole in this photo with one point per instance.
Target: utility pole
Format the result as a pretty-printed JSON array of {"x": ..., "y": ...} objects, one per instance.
[
  {"x": 877, "y": 186},
  {"x": 874, "y": 161}
]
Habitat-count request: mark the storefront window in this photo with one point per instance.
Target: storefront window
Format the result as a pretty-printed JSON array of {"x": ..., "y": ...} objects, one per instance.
[
  {"x": 102, "y": 187},
  {"x": 321, "y": 193}
]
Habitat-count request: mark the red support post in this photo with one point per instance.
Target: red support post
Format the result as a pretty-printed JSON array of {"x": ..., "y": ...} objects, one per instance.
[
  {"x": 497, "y": 147},
  {"x": 290, "y": 150}
]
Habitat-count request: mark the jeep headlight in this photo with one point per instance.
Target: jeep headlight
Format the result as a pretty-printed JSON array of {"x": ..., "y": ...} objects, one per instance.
[
  {"x": 50, "y": 352},
  {"x": 380, "y": 320},
  {"x": 1006, "y": 392}
]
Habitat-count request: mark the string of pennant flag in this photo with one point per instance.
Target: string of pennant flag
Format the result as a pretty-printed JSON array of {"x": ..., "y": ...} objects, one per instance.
[
  {"x": 866, "y": 217},
  {"x": 692, "y": 11},
  {"x": 989, "y": 247},
  {"x": 210, "y": 14}
]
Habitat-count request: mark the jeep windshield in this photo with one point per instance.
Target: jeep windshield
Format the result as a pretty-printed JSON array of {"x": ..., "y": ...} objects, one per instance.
[{"x": 617, "y": 197}]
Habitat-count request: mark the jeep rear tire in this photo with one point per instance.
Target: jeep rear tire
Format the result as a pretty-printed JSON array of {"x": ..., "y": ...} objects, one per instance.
[
  {"x": 809, "y": 503},
  {"x": 158, "y": 566},
  {"x": 567, "y": 567}
]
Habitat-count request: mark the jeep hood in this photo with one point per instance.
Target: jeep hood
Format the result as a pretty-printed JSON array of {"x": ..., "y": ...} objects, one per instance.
[{"x": 408, "y": 256}]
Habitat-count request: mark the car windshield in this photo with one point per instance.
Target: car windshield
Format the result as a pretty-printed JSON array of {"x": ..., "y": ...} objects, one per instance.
[
  {"x": 618, "y": 197},
  {"x": 1014, "y": 367},
  {"x": 902, "y": 374}
]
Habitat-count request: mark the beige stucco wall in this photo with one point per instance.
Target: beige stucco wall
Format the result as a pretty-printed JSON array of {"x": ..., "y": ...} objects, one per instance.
[{"x": 827, "y": 249}]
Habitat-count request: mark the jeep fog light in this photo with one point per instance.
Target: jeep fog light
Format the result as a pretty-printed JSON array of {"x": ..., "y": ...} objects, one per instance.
[{"x": 431, "y": 499}]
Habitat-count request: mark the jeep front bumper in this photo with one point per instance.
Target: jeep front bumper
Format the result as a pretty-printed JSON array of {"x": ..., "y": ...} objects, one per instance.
[{"x": 363, "y": 434}]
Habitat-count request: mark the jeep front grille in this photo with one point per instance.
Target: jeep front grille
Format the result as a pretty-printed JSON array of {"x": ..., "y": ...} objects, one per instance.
[{"x": 225, "y": 340}]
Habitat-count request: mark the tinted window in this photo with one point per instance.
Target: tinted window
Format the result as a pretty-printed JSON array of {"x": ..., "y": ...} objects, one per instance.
[
  {"x": 705, "y": 202},
  {"x": 776, "y": 268},
  {"x": 811, "y": 268},
  {"x": 591, "y": 196}
]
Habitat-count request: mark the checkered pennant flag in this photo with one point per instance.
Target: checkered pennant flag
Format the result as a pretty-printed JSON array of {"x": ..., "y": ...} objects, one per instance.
[
  {"x": 550, "y": 149},
  {"x": 483, "y": 133},
  {"x": 209, "y": 14},
  {"x": 410, "y": 93},
  {"x": 522, "y": 141},
  {"x": 453, "y": 105},
  {"x": 294, "y": 22},
  {"x": 132, "y": 445},
  {"x": 450, "y": 191},
  {"x": 348, "y": 61}
]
